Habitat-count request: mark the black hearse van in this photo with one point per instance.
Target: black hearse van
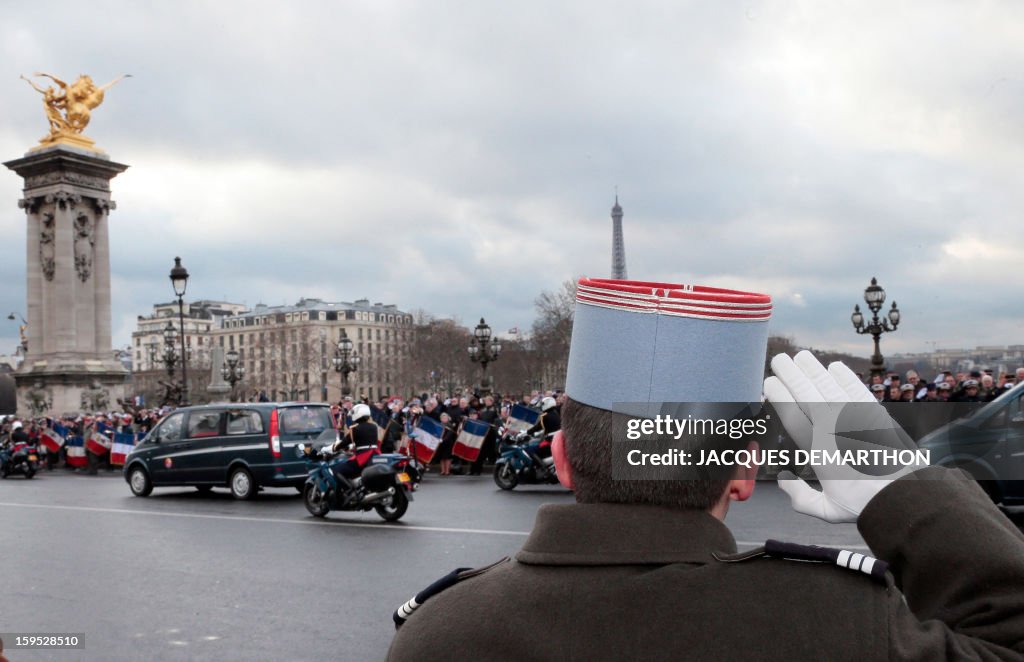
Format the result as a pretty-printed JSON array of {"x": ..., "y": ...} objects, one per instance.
[
  {"x": 243, "y": 446},
  {"x": 988, "y": 444}
]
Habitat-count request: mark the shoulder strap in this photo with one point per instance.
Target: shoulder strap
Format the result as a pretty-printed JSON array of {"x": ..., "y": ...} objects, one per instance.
[
  {"x": 789, "y": 551},
  {"x": 451, "y": 579}
]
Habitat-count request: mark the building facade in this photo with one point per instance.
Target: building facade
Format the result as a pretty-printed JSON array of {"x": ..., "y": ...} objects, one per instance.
[
  {"x": 201, "y": 319},
  {"x": 287, "y": 351}
]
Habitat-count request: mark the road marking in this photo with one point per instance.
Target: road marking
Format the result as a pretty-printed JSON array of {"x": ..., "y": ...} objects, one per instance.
[
  {"x": 240, "y": 518},
  {"x": 326, "y": 522}
]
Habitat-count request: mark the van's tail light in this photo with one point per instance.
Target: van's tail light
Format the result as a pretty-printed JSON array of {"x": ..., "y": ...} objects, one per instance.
[{"x": 275, "y": 435}]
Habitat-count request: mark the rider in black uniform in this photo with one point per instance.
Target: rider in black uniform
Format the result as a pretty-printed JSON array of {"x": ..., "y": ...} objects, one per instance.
[
  {"x": 361, "y": 439},
  {"x": 549, "y": 422}
]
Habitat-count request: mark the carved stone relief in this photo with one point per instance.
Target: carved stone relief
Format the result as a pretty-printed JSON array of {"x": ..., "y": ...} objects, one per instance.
[
  {"x": 29, "y": 204},
  {"x": 64, "y": 199},
  {"x": 46, "y": 245},
  {"x": 64, "y": 177},
  {"x": 39, "y": 399},
  {"x": 85, "y": 239},
  {"x": 95, "y": 398}
]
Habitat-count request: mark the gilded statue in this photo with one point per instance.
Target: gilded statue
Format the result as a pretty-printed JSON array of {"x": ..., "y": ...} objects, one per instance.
[{"x": 69, "y": 107}]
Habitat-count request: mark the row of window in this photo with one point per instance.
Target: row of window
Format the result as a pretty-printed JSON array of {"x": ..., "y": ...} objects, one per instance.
[{"x": 320, "y": 315}]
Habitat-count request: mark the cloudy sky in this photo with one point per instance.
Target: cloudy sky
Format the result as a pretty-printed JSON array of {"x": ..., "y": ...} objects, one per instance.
[{"x": 461, "y": 157}]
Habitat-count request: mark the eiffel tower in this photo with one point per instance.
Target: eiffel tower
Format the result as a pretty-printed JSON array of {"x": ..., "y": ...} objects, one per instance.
[{"x": 618, "y": 247}]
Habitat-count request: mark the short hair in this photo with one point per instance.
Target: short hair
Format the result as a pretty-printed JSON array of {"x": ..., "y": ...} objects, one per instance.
[{"x": 587, "y": 434}]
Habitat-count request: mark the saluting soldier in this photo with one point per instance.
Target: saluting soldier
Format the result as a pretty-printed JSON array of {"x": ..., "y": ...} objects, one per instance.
[{"x": 646, "y": 569}]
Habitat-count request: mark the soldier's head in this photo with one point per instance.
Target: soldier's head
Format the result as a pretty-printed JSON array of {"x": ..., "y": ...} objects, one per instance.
[{"x": 652, "y": 344}]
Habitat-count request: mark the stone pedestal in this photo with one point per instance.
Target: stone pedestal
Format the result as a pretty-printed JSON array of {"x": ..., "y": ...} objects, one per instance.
[
  {"x": 218, "y": 388},
  {"x": 70, "y": 364}
]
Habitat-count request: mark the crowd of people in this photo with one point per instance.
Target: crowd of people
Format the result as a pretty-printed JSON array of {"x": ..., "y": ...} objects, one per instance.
[
  {"x": 973, "y": 386},
  {"x": 396, "y": 417}
]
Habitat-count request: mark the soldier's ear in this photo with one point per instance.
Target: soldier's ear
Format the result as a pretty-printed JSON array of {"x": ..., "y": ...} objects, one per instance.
[
  {"x": 742, "y": 484},
  {"x": 562, "y": 465}
]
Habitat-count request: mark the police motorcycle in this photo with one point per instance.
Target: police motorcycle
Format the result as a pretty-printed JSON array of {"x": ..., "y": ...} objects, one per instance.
[
  {"x": 386, "y": 484},
  {"x": 520, "y": 462},
  {"x": 19, "y": 458}
]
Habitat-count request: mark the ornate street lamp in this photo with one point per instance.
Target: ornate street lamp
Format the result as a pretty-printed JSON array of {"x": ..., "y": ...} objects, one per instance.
[
  {"x": 345, "y": 361},
  {"x": 151, "y": 353},
  {"x": 874, "y": 297},
  {"x": 179, "y": 281},
  {"x": 231, "y": 371},
  {"x": 170, "y": 356},
  {"x": 484, "y": 351}
]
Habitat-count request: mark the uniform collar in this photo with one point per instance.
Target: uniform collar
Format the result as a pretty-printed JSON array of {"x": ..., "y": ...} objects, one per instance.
[{"x": 614, "y": 534}]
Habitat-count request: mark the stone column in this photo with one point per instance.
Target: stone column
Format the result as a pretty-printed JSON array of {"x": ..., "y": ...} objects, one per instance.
[
  {"x": 67, "y": 201},
  {"x": 218, "y": 388}
]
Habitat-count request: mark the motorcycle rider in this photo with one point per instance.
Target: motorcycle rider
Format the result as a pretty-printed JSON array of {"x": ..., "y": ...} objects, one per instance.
[
  {"x": 550, "y": 423},
  {"x": 18, "y": 434},
  {"x": 361, "y": 438}
]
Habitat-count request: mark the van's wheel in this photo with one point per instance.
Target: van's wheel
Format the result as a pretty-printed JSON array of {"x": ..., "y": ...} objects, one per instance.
[
  {"x": 315, "y": 500},
  {"x": 29, "y": 473},
  {"x": 243, "y": 487},
  {"x": 505, "y": 477},
  {"x": 139, "y": 482},
  {"x": 394, "y": 511}
]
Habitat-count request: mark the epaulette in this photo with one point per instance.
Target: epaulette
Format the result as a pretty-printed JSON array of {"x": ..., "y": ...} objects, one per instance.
[
  {"x": 813, "y": 554},
  {"x": 451, "y": 579}
]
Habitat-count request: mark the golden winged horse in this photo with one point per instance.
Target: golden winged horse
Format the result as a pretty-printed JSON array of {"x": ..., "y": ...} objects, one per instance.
[{"x": 70, "y": 107}]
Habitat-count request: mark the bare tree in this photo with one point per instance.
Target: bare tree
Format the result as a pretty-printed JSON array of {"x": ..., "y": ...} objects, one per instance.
[
  {"x": 437, "y": 356},
  {"x": 552, "y": 331}
]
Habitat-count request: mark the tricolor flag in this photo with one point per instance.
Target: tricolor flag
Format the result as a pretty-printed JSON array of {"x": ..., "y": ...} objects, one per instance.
[
  {"x": 51, "y": 439},
  {"x": 124, "y": 442},
  {"x": 98, "y": 443},
  {"x": 467, "y": 446},
  {"x": 75, "y": 447},
  {"x": 522, "y": 418},
  {"x": 426, "y": 438}
]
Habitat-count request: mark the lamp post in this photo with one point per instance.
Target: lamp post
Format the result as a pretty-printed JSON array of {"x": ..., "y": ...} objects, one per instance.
[
  {"x": 151, "y": 353},
  {"x": 179, "y": 281},
  {"x": 484, "y": 351},
  {"x": 170, "y": 355},
  {"x": 874, "y": 297},
  {"x": 345, "y": 360},
  {"x": 231, "y": 371},
  {"x": 23, "y": 348}
]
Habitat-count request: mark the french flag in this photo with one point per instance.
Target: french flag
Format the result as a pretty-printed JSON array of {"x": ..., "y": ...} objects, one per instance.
[
  {"x": 51, "y": 439},
  {"x": 522, "y": 418},
  {"x": 75, "y": 451},
  {"x": 468, "y": 444},
  {"x": 426, "y": 438},
  {"x": 98, "y": 443},
  {"x": 124, "y": 442}
]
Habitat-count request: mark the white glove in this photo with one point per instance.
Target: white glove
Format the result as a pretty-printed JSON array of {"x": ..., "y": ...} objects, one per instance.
[{"x": 811, "y": 401}]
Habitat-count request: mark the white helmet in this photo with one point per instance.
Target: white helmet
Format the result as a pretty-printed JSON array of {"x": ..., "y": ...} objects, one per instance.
[
  {"x": 360, "y": 411},
  {"x": 547, "y": 403},
  {"x": 16, "y": 425}
]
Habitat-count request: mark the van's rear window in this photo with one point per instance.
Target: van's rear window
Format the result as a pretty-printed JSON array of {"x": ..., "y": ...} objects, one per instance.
[{"x": 304, "y": 420}]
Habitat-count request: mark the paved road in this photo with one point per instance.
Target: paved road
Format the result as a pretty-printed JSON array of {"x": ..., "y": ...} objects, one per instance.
[{"x": 186, "y": 576}]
